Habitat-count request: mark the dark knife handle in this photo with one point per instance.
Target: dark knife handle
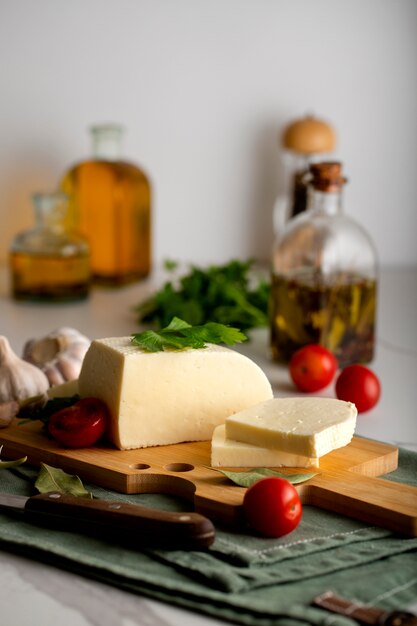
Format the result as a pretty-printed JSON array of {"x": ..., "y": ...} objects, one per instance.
[
  {"x": 365, "y": 615},
  {"x": 129, "y": 524}
]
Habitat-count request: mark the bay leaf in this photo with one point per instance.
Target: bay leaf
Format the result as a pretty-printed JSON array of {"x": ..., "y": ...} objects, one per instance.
[
  {"x": 246, "y": 479},
  {"x": 55, "y": 479},
  {"x": 14, "y": 463}
]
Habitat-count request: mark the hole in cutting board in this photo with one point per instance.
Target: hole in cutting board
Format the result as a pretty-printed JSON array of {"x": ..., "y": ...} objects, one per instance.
[
  {"x": 179, "y": 467},
  {"x": 140, "y": 466}
]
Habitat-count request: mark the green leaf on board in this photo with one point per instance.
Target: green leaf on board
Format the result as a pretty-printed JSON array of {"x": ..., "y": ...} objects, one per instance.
[
  {"x": 55, "y": 479},
  {"x": 246, "y": 479}
]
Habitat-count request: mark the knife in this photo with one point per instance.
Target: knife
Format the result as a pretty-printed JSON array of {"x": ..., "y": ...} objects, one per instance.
[
  {"x": 132, "y": 525},
  {"x": 365, "y": 615}
]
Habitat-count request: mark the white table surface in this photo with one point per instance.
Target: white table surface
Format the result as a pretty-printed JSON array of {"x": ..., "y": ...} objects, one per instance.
[{"x": 33, "y": 594}]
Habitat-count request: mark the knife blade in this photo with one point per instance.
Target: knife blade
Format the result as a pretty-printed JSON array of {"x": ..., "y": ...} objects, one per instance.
[
  {"x": 133, "y": 525},
  {"x": 363, "y": 614}
]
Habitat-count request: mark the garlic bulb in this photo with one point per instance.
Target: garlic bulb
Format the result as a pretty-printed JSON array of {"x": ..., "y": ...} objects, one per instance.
[
  {"x": 18, "y": 378},
  {"x": 59, "y": 354}
]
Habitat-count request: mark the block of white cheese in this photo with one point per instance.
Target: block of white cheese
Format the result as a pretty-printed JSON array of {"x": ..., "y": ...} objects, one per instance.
[
  {"x": 229, "y": 453},
  {"x": 162, "y": 398},
  {"x": 308, "y": 426}
]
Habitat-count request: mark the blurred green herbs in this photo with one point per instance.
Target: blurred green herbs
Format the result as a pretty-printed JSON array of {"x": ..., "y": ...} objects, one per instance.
[{"x": 230, "y": 294}]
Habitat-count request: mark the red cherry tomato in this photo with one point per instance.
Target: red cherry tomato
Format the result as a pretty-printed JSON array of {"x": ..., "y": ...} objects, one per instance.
[
  {"x": 312, "y": 368},
  {"x": 272, "y": 506},
  {"x": 80, "y": 425},
  {"x": 358, "y": 384}
]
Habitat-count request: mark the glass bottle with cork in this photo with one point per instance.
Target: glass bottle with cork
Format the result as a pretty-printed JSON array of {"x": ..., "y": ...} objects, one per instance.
[
  {"x": 324, "y": 277},
  {"x": 49, "y": 262},
  {"x": 110, "y": 203}
]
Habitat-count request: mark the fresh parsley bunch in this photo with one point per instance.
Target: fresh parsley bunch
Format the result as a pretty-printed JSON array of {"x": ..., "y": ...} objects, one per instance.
[{"x": 227, "y": 294}]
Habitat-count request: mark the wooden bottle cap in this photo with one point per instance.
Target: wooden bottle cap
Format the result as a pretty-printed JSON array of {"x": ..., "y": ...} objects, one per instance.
[{"x": 309, "y": 135}]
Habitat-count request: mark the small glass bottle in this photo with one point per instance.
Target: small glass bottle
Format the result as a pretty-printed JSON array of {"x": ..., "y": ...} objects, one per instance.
[
  {"x": 110, "y": 204},
  {"x": 49, "y": 262},
  {"x": 324, "y": 278}
]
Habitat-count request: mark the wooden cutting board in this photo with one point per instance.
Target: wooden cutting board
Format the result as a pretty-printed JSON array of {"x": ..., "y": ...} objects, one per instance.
[{"x": 347, "y": 481}]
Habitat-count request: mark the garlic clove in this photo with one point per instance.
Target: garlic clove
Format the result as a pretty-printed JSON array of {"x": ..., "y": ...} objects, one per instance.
[
  {"x": 77, "y": 350},
  {"x": 53, "y": 374},
  {"x": 68, "y": 367},
  {"x": 59, "y": 354},
  {"x": 18, "y": 378},
  {"x": 45, "y": 350}
]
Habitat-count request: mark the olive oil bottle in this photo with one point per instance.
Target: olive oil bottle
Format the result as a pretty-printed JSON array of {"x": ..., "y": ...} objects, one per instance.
[
  {"x": 49, "y": 262},
  {"x": 110, "y": 204},
  {"x": 324, "y": 278}
]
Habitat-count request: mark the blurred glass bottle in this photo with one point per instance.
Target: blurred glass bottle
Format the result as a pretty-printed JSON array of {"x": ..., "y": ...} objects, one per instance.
[
  {"x": 324, "y": 277},
  {"x": 110, "y": 203},
  {"x": 49, "y": 262},
  {"x": 304, "y": 141}
]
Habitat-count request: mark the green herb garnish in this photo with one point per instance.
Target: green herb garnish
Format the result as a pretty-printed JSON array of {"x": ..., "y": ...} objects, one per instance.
[
  {"x": 230, "y": 294},
  {"x": 179, "y": 335}
]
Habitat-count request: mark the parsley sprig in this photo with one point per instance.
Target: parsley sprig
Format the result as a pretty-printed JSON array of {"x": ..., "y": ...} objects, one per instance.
[
  {"x": 179, "y": 335},
  {"x": 233, "y": 294}
]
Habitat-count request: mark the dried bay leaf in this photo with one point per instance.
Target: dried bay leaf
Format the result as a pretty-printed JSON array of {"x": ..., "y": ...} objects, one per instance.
[
  {"x": 14, "y": 463},
  {"x": 55, "y": 479},
  {"x": 246, "y": 479},
  {"x": 10, "y": 464}
]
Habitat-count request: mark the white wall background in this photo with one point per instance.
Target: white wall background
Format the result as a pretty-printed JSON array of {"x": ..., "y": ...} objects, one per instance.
[{"x": 203, "y": 87}]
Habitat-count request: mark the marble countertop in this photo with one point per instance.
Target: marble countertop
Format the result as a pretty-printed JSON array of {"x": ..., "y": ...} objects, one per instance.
[{"x": 35, "y": 594}]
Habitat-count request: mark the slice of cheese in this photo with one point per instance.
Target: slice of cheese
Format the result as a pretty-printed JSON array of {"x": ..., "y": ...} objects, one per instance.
[
  {"x": 229, "y": 453},
  {"x": 63, "y": 390},
  {"x": 168, "y": 397},
  {"x": 308, "y": 426}
]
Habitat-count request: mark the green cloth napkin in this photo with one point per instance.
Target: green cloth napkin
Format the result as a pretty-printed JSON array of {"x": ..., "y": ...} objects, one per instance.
[{"x": 242, "y": 578}]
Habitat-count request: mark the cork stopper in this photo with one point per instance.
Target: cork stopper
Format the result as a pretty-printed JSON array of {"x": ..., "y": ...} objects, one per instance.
[
  {"x": 309, "y": 135},
  {"x": 327, "y": 176}
]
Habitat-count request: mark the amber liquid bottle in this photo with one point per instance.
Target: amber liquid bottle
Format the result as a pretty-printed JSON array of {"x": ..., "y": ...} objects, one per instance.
[
  {"x": 324, "y": 278},
  {"x": 49, "y": 262},
  {"x": 110, "y": 204}
]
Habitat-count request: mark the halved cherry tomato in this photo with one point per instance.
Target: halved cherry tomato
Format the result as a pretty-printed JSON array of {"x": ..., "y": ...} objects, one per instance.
[
  {"x": 358, "y": 384},
  {"x": 272, "y": 506},
  {"x": 80, "y": 425},
  {"x": 312, "y": 368}
]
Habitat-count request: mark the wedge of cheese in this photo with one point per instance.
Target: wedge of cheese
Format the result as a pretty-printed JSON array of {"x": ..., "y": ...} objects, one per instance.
[
  {"x": 229, "y": 453},
  {"x": 308, "y": 426},
  {"x": 168, "y": 397}
]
